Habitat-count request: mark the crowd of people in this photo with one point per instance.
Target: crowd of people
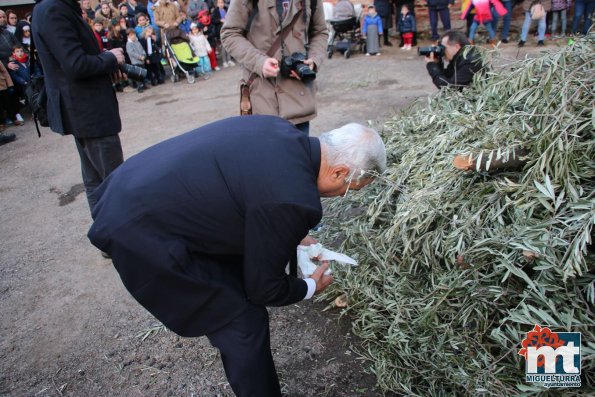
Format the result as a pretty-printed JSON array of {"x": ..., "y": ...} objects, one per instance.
[
  {"x": 139, "y": 30},
  {"x": 134, "y": 27}
]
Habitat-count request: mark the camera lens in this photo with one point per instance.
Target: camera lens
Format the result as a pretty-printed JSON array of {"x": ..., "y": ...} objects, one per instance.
[{"x": 134, "y": 72}]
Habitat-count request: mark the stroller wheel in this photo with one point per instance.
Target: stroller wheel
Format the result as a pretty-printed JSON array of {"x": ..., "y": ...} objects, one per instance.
[
  {"x": 329, "y": 52},
  {"x": 191, "y": 79},
  {"x": 174, "y": 78},
  {"x": 347, "y": 54}
]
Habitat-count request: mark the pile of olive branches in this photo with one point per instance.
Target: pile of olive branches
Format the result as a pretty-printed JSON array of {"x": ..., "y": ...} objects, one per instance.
[{"x": 455, "y": 266}]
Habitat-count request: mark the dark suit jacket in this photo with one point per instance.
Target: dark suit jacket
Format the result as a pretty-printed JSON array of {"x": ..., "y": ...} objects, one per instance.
[
  {"x": 77, "y": 75},
  {"x": 202, "y": 223}
]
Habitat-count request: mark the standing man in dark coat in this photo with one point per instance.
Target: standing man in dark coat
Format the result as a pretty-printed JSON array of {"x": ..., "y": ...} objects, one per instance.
[
  {"x": 201, "y": 228},
  {"x": 439, "y": 7},
  {"x": 384, "y": 8},
  {"x": 78, "y": 81}
]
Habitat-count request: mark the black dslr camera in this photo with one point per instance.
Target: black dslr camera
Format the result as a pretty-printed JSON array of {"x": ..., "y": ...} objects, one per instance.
[
  {"x": 296, "y": 63},
  {"x": 438, "y": 51},
  {"x": 134, "y": 72}
]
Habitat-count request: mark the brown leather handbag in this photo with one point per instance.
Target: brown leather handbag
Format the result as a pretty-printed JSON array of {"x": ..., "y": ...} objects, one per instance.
[{"x": 245, "y": 104}]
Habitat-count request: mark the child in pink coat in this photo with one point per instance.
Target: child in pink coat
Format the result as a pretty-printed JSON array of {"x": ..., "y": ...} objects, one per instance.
[{"x": 483, "y": 15}]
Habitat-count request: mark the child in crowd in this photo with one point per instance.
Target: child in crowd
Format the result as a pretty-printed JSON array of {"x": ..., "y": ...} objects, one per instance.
[
  {"x": 372, "y": 30},
  {"x": 407, "y": 27},
  {"x": 218, "y": 19},
  {"x": 201, "y": 47},
  {"x": 136, "y": 53},
  {"x": 483, "y": 15},
  {"x": 142, "y": 22},
  {"x": 116, "y": 38},
  {"x": 184, "y": 25},
  {"x": 204, "y": 20},
  {"x": 559, "y": 8},
  {"x": 130, "y": 20},
  {"x": 152, "y": 46},
  {"x": 21, "y": 76},
  {"x": 100, "y": 33}
]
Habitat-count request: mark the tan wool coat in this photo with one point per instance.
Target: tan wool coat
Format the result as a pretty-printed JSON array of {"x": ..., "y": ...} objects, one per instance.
[
  {"x": 288, "y": 98},
  {"x": 167, "y": 14},
  {"x": 5, "y": 80}
]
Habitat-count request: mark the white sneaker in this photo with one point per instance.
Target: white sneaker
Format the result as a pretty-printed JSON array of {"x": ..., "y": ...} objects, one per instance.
[
  {"x": 404, "y": 47},
  {"x": 217, "y": 68},
  {"x": 377, "y": 54},
  {"x": 367, "y": 54},
  {"x": 19, "y": 117},
  {"x": 231, "y": 63},
  {"x": 225, "y": 64}
]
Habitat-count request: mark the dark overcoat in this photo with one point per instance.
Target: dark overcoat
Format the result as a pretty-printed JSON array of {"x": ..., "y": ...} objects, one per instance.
[
  {"x": 203, "y": 223},
  {"x": 77, "y": 73}
]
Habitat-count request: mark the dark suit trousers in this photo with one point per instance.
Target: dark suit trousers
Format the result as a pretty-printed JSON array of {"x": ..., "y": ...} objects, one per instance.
[
  {"x": 245, "y": 349},
  {"x": 99, "y": 157},
  {"x": 444, "y": 17}
]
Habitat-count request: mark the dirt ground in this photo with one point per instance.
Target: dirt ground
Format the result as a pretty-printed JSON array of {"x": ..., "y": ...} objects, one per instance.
[{"x": 67, "y": 325}]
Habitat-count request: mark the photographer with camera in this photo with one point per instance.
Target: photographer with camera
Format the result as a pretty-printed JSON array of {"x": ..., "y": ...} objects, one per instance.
[
  {"x": 280, "y": 84},
  {"x": 463, "y": 60},
  {"x": 78, "y": 81}
]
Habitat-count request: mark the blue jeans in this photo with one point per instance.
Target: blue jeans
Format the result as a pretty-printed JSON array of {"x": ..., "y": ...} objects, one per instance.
[
  {"x": 527, "y": 25},
  {"x": 554, "y": 26},
  {"x": 507, "y": 18},
  {"x": 488, "y": 26},
  {"x": 582, "y": 9}
]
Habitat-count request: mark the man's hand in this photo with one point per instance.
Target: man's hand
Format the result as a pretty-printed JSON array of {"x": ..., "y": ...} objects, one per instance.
[
  {"x": 321, "y": 280},
  {"x": 119, "y": 54},
  {"x": 118, "y": 77},
  {"x": 431, "y": 58},
  {"x": 270, "y": 68},
  {"x": 13, "y": 66},
  {"x": 308, "y": 240},
  {"x": 311, "y": 64}
]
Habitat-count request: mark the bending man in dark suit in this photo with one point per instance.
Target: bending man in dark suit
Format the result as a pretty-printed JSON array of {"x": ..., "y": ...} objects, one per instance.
[
  {"x": 201, "y": 228},
  {"x": 78, "y": 82}
]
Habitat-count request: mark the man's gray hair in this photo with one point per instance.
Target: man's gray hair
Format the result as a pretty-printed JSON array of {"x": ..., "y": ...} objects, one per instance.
[{"x": 358, "y": 147}]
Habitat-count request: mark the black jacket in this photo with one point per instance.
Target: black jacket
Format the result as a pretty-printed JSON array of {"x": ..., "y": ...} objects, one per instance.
[
  {"x": 77, "y": 74},
  {"x": 202, "y": 223},
  {"x": 459, "y": 72},
  {"x": 439, "y": 4},
  {"x": 7, "y": 42}
]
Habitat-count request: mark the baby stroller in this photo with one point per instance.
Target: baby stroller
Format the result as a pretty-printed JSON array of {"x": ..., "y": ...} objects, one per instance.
[
  {"x": 344, "y": 35},
  {"x": 179, "y": 55}
]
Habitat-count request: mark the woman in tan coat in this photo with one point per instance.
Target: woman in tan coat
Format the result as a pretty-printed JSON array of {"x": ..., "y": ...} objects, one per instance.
[
  {"x": 8, "y": 101},
  {"x": 271, "y": 93}
]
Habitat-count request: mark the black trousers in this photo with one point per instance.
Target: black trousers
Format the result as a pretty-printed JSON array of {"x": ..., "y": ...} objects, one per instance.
[
  {"x": 8, "y": 104},
  {"x": 245, "y": 349},
  {"x": 99, "y": 157},
  {"x": 386, "y": 24}
]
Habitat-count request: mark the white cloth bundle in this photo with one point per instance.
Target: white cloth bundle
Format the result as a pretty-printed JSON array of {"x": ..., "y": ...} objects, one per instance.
[{"x": 307, "y": 252}]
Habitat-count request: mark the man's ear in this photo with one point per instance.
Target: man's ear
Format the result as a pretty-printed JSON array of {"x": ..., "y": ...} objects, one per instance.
[{"x": 340, "y": 173}]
